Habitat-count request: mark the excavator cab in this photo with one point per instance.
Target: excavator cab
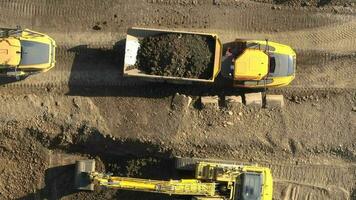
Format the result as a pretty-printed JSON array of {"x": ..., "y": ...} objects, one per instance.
[
  {"x": 237, "y": 182},
  {"x": 248, "y": 186}
]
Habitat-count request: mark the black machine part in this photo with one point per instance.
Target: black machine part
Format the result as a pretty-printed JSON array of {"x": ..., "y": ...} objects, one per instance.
[
  {"x": 249, "y": 187},
  {"x": 82, "y": 179}
]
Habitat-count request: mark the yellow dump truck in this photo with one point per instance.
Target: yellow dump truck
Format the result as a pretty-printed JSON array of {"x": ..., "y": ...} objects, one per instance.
[
  {"x": 242, "y": 63},
  {"x": 212, "y": 180},
  {"x": 24, "y": 52}
]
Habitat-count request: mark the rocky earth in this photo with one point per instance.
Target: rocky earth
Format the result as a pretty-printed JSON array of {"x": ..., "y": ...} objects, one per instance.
[
  {"x": 84, "y": 108},
  {"x": 130, "y": 138}
]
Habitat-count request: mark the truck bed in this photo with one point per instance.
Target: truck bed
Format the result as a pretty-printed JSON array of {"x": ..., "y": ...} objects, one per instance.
[{"x": 134, "y": 35}]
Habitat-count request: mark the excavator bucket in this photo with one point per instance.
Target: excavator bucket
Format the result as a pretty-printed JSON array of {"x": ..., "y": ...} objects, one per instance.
[{"x": 83, "y": 168}]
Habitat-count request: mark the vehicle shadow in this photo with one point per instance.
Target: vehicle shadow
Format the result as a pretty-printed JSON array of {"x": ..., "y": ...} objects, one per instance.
[
  {"x": 8, "y": 80},
  {"x": 99, "y": 72},
  {"x": 129, "y": 158},
  {"x": 58, "y": 180},
  {"x": 324, "y": 2},
  {"x": 95, "y": 67}
]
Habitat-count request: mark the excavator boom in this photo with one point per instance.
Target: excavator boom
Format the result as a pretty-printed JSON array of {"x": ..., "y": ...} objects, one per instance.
[
  {"x": 86, "y": 177},
  {"x": 171, "y": 187},
  {"x": 212, "y": 181}
]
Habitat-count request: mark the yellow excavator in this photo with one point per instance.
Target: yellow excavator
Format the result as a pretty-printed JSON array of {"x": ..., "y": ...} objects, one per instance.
[
  {"x": 25, "y": 52},
  {"x": 214, "y": 180}
]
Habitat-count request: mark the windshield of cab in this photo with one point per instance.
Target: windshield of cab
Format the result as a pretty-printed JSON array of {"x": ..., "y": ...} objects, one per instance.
[
  {"x": 251, "y": 186},
  {"x": 280, "y": 65},
  {"x": 34, "y": 53}
]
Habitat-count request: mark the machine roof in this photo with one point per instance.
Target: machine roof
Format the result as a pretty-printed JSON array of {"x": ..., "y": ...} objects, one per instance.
[
  {"x": 10, "y": 52},
  {"x": 34, "y": 53},
  {"x": 251, "y": 186},
  {"x": 252, "y": 64}
]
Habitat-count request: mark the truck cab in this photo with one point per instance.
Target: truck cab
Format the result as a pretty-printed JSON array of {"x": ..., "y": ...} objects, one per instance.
[
  {"x": 25, "y": 52},
  {"x": 259, "y": 64}
]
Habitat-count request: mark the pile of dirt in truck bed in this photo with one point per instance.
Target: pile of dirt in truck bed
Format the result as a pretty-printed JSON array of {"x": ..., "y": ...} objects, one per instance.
[{"x": 177, "y": 55}]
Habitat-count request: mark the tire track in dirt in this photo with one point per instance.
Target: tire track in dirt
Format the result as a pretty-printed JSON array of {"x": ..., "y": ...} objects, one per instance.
[
  {"x": 337, "y": 38},
  {"x": 54, "y": 15},
  {"x": 242, "y": 15},
  {"x": 72, "y": 16},
  {"x": 30, "y": 8},
  {"x": 313, "y": 181},
  {"x": 255, "y": 17},
  {"x": 322, "y": 175},
  {"x": 333, "y": 38},
  {"x": 293, "y": 191},
  {"x": 321, "y": 69}
]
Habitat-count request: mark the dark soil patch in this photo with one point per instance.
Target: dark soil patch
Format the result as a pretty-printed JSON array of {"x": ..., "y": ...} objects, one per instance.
[{"x": 177, "y": 55}]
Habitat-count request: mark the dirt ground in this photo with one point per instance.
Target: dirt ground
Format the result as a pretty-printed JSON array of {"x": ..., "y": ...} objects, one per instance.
[
  {"x": 177, "y": 55},
  {"x": 83, "y": 108}
]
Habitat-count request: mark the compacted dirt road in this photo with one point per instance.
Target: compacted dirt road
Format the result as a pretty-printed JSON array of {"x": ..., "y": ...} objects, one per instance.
[{"x": 83, "y": 108}]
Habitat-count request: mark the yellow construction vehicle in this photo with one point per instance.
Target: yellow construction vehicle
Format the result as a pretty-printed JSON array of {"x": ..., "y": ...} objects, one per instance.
[
  {"x": 259, "y": 63},
  {"x": 212, "y": 181},
  {"x": 24, "y": 52},
  {"x": 242, "y": 63}
]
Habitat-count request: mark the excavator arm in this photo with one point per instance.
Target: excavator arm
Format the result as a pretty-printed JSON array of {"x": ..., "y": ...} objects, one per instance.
[
  {"x": 172, "y": 187},
  {"x": 86, "y": 178}
]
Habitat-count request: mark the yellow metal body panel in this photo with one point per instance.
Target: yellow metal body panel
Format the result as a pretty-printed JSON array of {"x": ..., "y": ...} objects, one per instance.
[
  {"x": 205, "y": 170},
  {"x": 10, "y": 49},
  {"x": 278, "y": 48},
  {"x": 281, "y": 81},
  {"x": 276, "y": 81},
  {"x": 281, "y": 49},
  {"x": 217, "y": 58},
  {"x": 251, "y": 65}
]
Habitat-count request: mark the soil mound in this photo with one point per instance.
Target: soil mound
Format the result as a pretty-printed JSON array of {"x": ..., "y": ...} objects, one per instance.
[{"x": 177, "y": 55}]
